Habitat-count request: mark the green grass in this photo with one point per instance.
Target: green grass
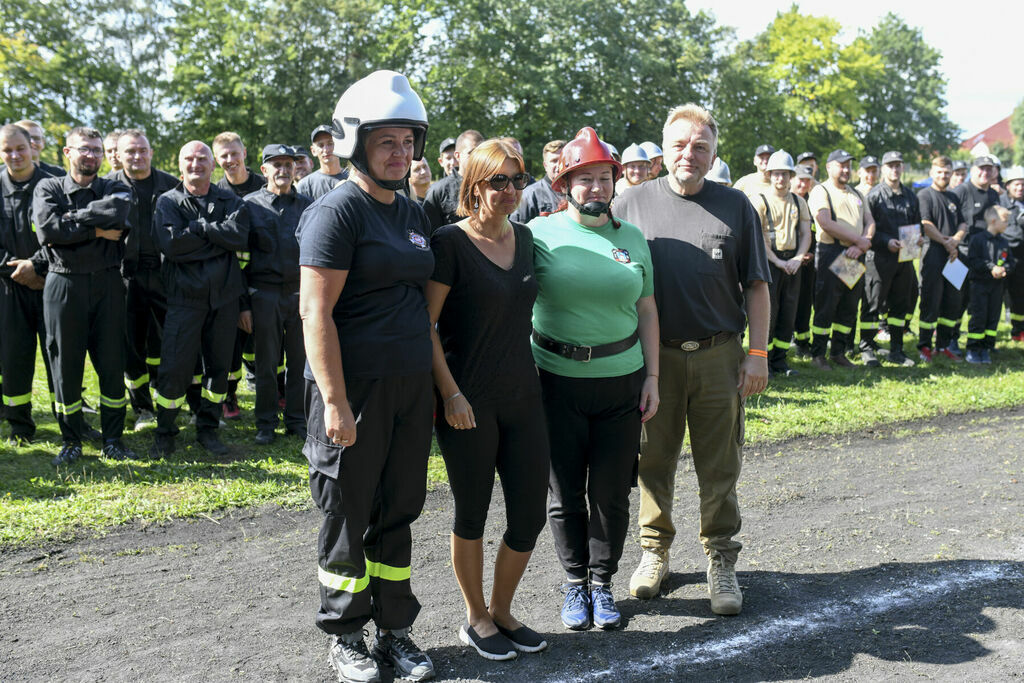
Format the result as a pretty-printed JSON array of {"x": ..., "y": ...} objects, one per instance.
[{"x": 41, "y": 504}]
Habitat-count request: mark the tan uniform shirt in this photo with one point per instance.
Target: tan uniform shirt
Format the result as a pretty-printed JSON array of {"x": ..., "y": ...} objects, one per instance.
[
  {"x": 753, "y": 184},
  {"x": 864, "y": 188},
  {"x": 781, "y": 218},
  {"x": 851, "y": 211}
]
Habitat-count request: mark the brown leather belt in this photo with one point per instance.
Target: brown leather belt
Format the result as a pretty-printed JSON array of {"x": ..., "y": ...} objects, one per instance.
[
  {"x": 697, "y": 344},
  {"x": 584, "y": 354}
]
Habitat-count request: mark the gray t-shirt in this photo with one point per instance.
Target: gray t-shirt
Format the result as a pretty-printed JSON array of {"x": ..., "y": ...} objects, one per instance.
[
  {"x": 318, "y": 183},
  {"x": 705, "y": 248}
]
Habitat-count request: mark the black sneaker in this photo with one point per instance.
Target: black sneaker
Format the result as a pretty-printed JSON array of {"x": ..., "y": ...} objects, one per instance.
[
  {"x": 163, "y": 446},
  {"x": 265, "y": 437},
  {"x": 69, "y": 452},
  {"x": 397, "y": 649},
  {"x": 115, "y": 450},
  {"x": 210, "y": 442},
  {"x": 868, "y": 357},
  {"x": 901, "y": 359},
  {"x": 351, "y": 660},
  {"x": 299, "y": 432},
  {"x": 92, "y": 434}
]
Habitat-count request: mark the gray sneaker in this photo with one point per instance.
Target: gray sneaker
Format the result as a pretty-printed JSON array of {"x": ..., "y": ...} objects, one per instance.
[
  {"x": 724, "y": 588},
  {"x": 144, "y": 419},
  {"x": 397, "y": 649},
  {"x": 351, "y": 660}
]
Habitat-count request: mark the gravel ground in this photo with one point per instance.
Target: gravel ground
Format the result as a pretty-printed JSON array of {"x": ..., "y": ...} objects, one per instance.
[{"x": 877, "y": 556}]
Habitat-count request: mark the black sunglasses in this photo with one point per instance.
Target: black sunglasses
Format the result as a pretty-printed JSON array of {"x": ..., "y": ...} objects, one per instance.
[{"x": 500, "y": 181}]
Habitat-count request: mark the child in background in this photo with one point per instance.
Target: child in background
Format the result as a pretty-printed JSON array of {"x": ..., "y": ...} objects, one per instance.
[{"x": 990, "y": 260}]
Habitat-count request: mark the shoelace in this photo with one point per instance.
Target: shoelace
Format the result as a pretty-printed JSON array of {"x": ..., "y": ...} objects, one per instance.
[
  {"x": 650, "y": 565},
  {"x": 602, "y": 596},
  {"x": 576, "y": 596},
  {"x": 723, "y": 581},
  {"x": 404, "y": 646}
]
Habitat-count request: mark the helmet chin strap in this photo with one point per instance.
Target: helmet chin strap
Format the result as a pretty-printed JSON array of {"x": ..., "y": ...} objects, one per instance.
[
  {"x": 594, "y": 209},
  {"x": 359, "y": 161}
]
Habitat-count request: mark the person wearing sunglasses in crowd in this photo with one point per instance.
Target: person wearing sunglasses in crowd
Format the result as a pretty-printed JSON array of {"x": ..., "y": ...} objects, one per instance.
[
  {"x": 489, "y": 416},
  {"x": 595, "y": 342}
]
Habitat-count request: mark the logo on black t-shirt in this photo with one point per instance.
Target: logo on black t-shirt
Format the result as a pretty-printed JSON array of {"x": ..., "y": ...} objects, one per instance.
[
  {"x": 419, "y": 240},
  {"x": 621, "y": 255}
]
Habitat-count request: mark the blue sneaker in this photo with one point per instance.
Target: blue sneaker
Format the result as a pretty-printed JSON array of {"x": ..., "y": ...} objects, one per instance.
[
  {"x": 576, "y": 608},
  {"x": 606, "y": 614},
  {"x": 974, "y": 357}
]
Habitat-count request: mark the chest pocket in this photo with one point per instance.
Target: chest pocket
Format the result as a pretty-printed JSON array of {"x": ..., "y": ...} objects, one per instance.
[{"x": 718, "y": 249}]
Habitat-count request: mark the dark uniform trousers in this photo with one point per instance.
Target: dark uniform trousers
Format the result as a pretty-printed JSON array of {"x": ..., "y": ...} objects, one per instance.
[
  {"x": 835, "y": 304},
  {"x": 986, "y": 301},
  {"x": 784, "y": 293},
  {"x": 595, "y": 444},
  {"x": 86, "y": 312},
  {"x": 804, "y": 304},
  {"x": 940, "y": 301},
  {"x": 21, "y": 319},
  {"x": 370, "y": 493},
  {"x": 147, "y": 308},
  {"x": 191, "y": 333},
  {"x": 1014, "y": 283},
  {"x": 889, "y": 288},
  {"x": 276, "y": 327}
]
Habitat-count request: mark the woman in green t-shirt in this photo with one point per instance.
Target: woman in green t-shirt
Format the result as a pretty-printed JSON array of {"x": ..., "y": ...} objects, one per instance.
[{"x": 595, "y": 342}]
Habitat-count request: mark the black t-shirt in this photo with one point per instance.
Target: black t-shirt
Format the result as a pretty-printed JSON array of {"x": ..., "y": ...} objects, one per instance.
[
  {"x": 144, "y": 196},
  {"x": 254, "y": 182},
  {"x": 486, "y": 320},
  {"x": 381, "y": 314},
  {"x": 704, "y": 247}
]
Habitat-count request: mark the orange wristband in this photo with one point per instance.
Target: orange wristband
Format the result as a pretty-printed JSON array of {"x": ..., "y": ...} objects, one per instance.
[{"x": 757, "y": 352}]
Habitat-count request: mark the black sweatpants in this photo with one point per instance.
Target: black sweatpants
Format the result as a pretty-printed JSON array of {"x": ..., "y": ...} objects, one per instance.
[
  {"x": 940, "y": 301},
  {"x": 835, "y": 304},
  {"x": 147, "y": 308},
  {"x": 370, "y": 493},
  {"x": 784, "y": 293},
  {"x": 594, "y": 432},
  {"x": 188, "y": 333},
  {"x": 22, "y": 323},
  {"x": 889, "y": 289},
  {"x": 1014, "y": 284},
  {"x": 510, "y": 437},
  {"x": 804, "y": 304},
  {"x": 983, "y": 313},
  {"x": 277, "y": 328},
  {"x": 86, "y": 313}
]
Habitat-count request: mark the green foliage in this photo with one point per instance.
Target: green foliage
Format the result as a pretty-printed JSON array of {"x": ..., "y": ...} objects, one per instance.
[
  {"x": 905, "y": 102},
  {"x": 1017, "y": 128}
]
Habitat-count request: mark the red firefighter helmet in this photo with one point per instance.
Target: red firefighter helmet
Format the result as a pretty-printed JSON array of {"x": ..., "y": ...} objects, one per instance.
[{"x": 586, "y": 149}]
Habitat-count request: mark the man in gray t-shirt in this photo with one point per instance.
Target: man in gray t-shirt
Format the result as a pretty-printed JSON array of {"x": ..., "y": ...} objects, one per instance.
[
  {"x": 330, "y": 173},
  {"x": 707, "y": 253}
]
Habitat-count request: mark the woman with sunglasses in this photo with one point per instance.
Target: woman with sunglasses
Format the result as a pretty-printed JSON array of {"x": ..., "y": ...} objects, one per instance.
[
  {"x": 595, "y": 341},
  {"x": 481, "y": 297}
]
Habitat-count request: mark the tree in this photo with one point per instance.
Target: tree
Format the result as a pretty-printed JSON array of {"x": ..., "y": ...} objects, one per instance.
[
  {"x": 1017, "y": 128},
  {"x": 905, "y": 103}
]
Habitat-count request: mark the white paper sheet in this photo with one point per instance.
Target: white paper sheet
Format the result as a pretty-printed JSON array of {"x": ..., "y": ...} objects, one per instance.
[{"x": 955, "y": 272}]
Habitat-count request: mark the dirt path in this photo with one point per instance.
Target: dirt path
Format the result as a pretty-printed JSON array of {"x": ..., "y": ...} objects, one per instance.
[{"x": 870, "y": 557}]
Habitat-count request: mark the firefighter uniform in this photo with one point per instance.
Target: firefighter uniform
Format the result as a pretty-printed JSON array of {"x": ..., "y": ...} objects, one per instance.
[
  {"x": 889, "y": 283},
  {"x": 1015, "y": 280},
  {"x": 84, "y": 296},
  {"x": 985, "y": 251},
  {"x": 973, "y": 203},
  {"x": 940, "y": 300},
  {"x": 198, "y": 237},
  {"x": 835, "y": 304},
  {"x": 273, "y": 288},
  {"x": 147, "y": 303},
  {"x": 21, "y": 308}
]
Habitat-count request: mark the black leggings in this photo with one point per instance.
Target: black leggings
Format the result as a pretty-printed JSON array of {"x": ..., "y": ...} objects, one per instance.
[
  {"x": 594, "y": 426},
  {"x": 509, "y": 437}
]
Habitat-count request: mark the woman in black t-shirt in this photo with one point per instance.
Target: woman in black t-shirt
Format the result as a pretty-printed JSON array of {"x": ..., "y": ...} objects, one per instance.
[
  {"x": 365, "y": 260},
  {"x": 481, "y": 296}
]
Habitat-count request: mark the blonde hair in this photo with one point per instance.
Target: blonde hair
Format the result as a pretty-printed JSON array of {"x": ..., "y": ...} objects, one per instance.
[
  {"x": 994, "y": 213},
  {"x": 696, "y": 115},
  {"x": 553, "y": 147},
  {"x": 226, "y": 138},
  {"x": 486, "y": 160}
]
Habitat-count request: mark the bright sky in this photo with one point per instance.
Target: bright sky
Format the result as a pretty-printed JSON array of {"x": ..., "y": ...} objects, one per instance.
[{"x": 982, "y": 88}]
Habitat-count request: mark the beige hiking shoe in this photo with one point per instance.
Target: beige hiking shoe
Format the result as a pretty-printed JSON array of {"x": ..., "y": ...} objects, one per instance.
[
  {"x": 646, "y": 580},
  {"x": 724, "y": 588}
]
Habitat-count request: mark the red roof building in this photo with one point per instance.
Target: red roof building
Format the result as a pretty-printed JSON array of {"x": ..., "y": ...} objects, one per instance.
[{"x": 999, "y": 132}]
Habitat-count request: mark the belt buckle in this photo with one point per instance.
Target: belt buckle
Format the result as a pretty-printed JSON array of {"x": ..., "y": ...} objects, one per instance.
[
  {"x": 577, "y": 357},
  {"x": 689, "y": 346}
]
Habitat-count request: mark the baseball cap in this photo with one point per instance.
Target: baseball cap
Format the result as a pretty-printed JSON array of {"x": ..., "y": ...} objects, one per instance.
[
  {"x": 273, "y": 151},
  {"x": 301, "y": 151},
  {"x": 445, "y": 144},
  {"x": 868, "y": 161},
  {"x": 959, "y": 165},
  {"x": 984, "y": 160},
  {"x": 320, "y": 129},
  {"x": 804, "y": 171},
  {"x": 764, "y": 149},
  {"x": 805, "y": 156},
  {"x": 840, "y": 155},
  {"x": 890, "y": 157}
]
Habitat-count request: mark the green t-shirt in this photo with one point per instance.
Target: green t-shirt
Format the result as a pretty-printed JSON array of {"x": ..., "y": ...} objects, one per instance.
[{"x": 589, "y": 282}]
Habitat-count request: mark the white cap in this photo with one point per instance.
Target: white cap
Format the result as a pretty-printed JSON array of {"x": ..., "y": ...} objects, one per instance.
[
  {"x": 719, "y": 172},
  {"x": 652, "y": 149},
  {"x": 634, "y": 153}
]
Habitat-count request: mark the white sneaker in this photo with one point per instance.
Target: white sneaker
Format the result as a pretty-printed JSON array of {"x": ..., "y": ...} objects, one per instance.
[{"x": 646, "y": 580}]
